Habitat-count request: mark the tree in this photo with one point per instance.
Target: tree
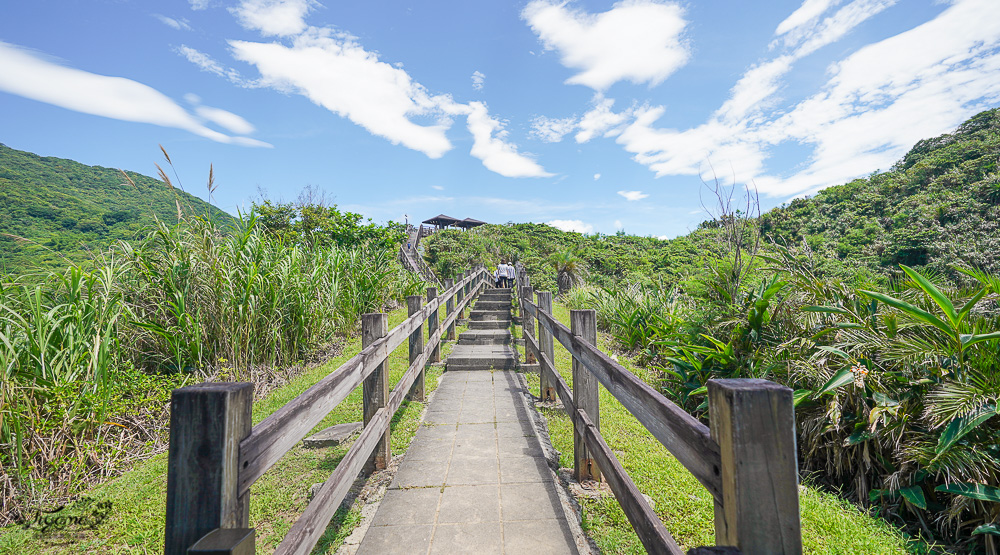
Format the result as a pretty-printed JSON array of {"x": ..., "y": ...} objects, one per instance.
[{"x": 569, "y": 268}]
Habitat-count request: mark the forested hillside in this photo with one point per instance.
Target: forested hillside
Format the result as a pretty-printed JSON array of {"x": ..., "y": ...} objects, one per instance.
[{"x": 57, "y": 211}]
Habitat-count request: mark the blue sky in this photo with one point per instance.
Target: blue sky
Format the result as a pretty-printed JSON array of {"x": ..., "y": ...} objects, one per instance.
[{"x": 593, "y": 116}]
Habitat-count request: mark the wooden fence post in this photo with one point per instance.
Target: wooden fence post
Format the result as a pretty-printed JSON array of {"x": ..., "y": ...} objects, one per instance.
[
  {"x": 586, "y": 394},
  {"x": 460, "y": 296},
  {"x": 527, "y": 326},
  {"x": 375, "y": 391},
  {"x": 449, "y": 308},
  {"x": 754, "y": 423},
  {"x": 416, "y": 346},
  {"x": 207, "y": 423},
  {"x": 546, "y": 346},
  {"x": 432, "y": 325}
]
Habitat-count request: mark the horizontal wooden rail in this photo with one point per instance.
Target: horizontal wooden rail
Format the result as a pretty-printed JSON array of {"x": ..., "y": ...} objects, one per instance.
[
  {"x": 654, "y": 535},
  {"x": 687, "y": 439},
  {"x": 311, "y": 525},
  {"x": 275, "y": 435}
]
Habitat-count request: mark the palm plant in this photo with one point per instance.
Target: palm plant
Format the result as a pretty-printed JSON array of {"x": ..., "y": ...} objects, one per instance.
[{"x": 569, "y": 267}]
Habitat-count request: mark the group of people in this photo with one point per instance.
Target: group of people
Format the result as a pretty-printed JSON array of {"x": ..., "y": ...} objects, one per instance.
[{"x": 504, "y": 274}]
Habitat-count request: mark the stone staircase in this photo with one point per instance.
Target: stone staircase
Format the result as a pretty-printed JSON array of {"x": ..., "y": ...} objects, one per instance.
[{"x": 487, "y": 343}]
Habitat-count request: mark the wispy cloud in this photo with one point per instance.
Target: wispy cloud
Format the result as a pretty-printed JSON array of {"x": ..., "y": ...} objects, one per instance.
[
  {"x": 633, "y": 196},
  {"x": 209, "y": 64},
  {"x": 179, "y": 24},
  {"x": 600, "y": 120},
  {"x": 437, "y": 187},
  {"x": 636, "y": 40},
  {"x": 551, "y": 130},
  {"x": 597, "y": 176},
  {"x": 572, "y": 225},
  {"x": 498, "y": 155},
  {"x": 27, "y": 74},
  {"x": 478, "y": 79}
]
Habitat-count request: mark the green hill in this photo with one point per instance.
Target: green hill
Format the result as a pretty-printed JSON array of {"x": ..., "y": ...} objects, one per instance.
[{"x": 56, "y": 210}]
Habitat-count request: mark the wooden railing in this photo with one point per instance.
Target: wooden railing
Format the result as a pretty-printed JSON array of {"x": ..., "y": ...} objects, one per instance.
[
  {"x": 747, "y": 460},
  {"x": 215, "y": 455}
]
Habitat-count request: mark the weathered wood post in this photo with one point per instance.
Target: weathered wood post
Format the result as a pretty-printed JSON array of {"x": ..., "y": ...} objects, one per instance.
[
  {"x": 754, "y": 423},
  {"x": 546, "y": 346},
  {"x": 449, "y": 307},
  {"x": 207, "y": 423},
  {"x": 527, "y": 326},
  {"x": 432, "y": 325},
  {"x": 375, "y": 390},
  {"x": 461, "y": 297},
  {"x": 586, "y": 394},
  {"x": 416, "y": 346}
]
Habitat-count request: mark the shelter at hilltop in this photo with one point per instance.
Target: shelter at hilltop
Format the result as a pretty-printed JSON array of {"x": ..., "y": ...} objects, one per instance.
[
  {"x": 441, "y": 221},
  {"x": 469, "y": 223}
]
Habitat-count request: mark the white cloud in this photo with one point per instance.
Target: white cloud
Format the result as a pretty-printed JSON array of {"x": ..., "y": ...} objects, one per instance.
[
  {"x": 663, "y": 237},
  {"x": 334, "y": 72},
  {"x": 273, "y": 17},
  {"x": 618, "y": 224},
  {"x": 600, "y": 120},
  {"x": 807, "y": 13},
  {"x": 437, "y": 187},
  {"x": 551, "y": 130},
  {"x": 228, "y": 120},
  {"x": 877, "y": 103},
  {"x": 199, "y": 4},
  {"x": 179, "y": 24},
  {"x": 597, "y": 176},
  {"x": 497, "y": 155},
  {"x": 28, "y": 75},
  {"x": 633, "y": 196},
  {"x": 478, "y": 79},
  {"x": 571, "y": 225},
  {"x": 636, "y": 40}
]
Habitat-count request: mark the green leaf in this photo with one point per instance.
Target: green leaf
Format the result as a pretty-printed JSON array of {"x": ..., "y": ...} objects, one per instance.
[
  {"x": 972, "y": 302},
  {"x": 935, "y": 294},
  {"x": 800, "y": 396},
  {"x": 826, "y": 309},
  {"x": 969, "y": 339},
  {"x": 841, "y": 378},
  {"x": 849, "y": 326},
  {"x": 700, "y": 391},
  {"x": 963, "y": 425},
  {"x": 981, "y": 492},
  {"x": 835, "y": 351},
  {"x": 987, "y": 529},
  {"x": 915, "y": 495},
  {"x": 857, "y": 437},
  {"x": 913, "y": 311}
]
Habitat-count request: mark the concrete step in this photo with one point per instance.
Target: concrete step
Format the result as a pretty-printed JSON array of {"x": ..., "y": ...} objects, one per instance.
[
  {"x": 484, "y": 337},
  {"x": 489, "y": 324},
  {"x": 477, "y": 314},
  {"x": 500, "y": 303},
  {"x": 482, "y": 357}
]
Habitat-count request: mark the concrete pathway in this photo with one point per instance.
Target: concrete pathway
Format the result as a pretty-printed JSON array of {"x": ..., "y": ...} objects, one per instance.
[{"x": 475, "y": 478}]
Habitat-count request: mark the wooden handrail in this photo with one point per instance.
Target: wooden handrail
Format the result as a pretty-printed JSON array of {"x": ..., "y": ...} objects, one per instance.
[
  {"x": 686, "y": 438},
  {"x": 747, "y": 460},
  {"x": 212, "y": 468}
]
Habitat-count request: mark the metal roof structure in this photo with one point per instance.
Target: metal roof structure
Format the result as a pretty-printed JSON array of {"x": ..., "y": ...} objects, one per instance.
[
  {"x": 441, "y": 221},
  {"x": 469, "y": 223}
]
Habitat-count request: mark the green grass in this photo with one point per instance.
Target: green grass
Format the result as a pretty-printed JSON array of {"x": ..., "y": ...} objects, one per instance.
[
  {"x": 829, "y": 524},
  {"x": 139, "y": 496}
]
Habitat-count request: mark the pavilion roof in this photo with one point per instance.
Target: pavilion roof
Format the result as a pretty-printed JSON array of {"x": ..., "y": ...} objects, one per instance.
[
  {"x": 469, "y": 223},
  {"x": 441, "y": 220}
]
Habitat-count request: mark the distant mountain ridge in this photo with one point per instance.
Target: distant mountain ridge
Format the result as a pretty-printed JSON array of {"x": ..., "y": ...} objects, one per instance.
[{"x": 68, "y": 212}]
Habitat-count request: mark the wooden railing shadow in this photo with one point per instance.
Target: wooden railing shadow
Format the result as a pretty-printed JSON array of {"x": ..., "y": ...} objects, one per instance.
[
  {"x": 747, "y": 460},
  {"x": 215, "y": 455}
]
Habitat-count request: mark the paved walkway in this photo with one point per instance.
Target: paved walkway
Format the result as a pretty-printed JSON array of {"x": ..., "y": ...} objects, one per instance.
[{"x": 474, "y": 479}]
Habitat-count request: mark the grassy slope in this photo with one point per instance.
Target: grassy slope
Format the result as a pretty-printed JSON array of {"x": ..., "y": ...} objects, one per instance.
[
  {"x": 829, "y": 524},
  {"x": 139, "y": 496},
  {"x": 74, "y": 210}
]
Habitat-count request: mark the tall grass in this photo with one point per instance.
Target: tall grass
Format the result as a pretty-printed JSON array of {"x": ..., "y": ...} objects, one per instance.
[{"x": 88, "y": 357}]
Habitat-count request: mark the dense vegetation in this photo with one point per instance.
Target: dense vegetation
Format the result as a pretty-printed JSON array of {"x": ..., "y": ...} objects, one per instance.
[
  {"x": 878, "y": 302},
  {"x": 57, "y": 210},
  {"x": 90, "y": 353}
]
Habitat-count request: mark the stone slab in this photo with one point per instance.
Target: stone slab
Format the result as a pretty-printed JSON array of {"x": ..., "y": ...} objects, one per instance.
[{"x": 332, "y": 436}]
